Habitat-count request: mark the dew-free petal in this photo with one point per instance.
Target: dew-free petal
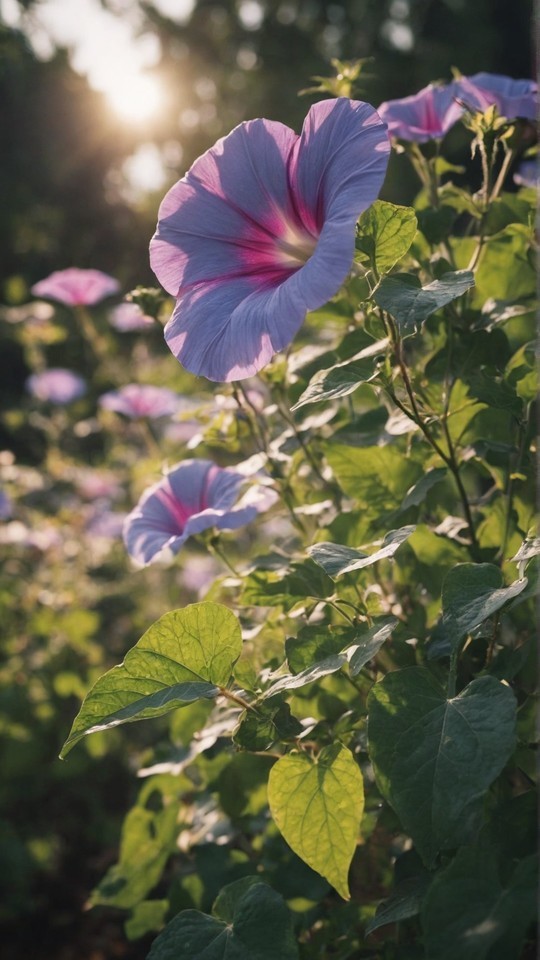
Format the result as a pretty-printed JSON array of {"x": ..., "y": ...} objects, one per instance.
[
  {"x": 56, "y": 385},
  {"x": 76, "y": 287},
  {"x": 426, "y": 115},
  {"x": 513, "y": 98},
  {"x": 261, "y": 230},
  {"x": 141, "y": 400},
  {"x": 193, "y": 497}
]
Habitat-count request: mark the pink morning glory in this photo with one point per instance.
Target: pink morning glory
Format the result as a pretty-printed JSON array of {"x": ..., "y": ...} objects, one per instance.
[
  {"x": 128, "y": 318},
  {"x": 76, "y": 287},
  {"x": 56, "y": 385},
  {"x": 261, "y": 230},
  {"x": 193, "y": 497},
  {"x": 427, "y": 115},
  {"x": 141, "y": 400},
  {"x": 513, "y": 98}
]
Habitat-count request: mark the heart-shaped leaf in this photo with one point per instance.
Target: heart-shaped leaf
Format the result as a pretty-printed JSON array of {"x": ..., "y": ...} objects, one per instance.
[
  {"x": 410, "y": 304},
  {"x": 257, "y": 927},
  {"x": 317, "y": 806},
  {"x": 185, "y": 655},
  {"x": 434, "y": 758}
]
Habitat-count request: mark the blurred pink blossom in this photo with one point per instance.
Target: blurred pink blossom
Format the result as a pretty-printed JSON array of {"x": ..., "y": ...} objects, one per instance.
[
  {"x": 56, "y": 385},
  {"x": 128, "y": 317},
  {"x": 76, "y": 287},
  {"x": 141, "y": 400}
]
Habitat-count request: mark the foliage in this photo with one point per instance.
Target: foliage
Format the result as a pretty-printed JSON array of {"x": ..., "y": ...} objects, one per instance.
[{"x": 344, "y": 717}]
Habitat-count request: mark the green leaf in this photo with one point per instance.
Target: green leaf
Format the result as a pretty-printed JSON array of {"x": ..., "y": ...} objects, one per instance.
[
  {"x": 317, "y": 806},
  {"x": 434, "y": 758},
  {"x": 147, "y": 916},
  {"x": 410, "y": 304},
  {"x": 336, "y": 559},
  {"x": 286, "y": 586},
  {"x": 343, "y": 378},
  {"x": 375, "y": 476},
  {"x": 315, "y": 672},
  {"x": 404, "y": 902},
  {"x": 417, "y": 493},
  {"x": 468, "y": 913},
  {"x": 270, "y": 722},
  {"x": 313, "y": 644},
  {"x": 148, "y": 840},
  {"x": 260, "y": 929},
  {"x": 471, "y": 593},
  {"x": 185, "y": 655},
  {"x": 384, "y": 234},
  {"x": 367, "y": 643}
]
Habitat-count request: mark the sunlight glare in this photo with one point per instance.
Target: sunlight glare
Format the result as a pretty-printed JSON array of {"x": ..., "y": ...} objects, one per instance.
[{"x": 135, "y": 98}]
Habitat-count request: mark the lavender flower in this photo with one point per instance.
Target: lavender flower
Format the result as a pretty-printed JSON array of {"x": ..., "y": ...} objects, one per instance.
[
  {"x": 261, "y": 230},
  {"x": 427, "y": 115},
  {"x": 193, "y": 497},
  {"x": 141, "y": 400},
  {"x": 56, "y": 385},
  {"x": 513, "y": 98}
]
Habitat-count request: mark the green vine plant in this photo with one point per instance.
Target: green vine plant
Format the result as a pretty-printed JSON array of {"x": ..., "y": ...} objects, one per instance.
[{"x": 347, "y": 764}]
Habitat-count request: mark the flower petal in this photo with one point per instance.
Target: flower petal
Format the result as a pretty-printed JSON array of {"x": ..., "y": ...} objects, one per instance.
[
  {"x": 513, "y": 98},
  {"x": 76, "y": 287},
  {"x": 426, "y": 115},
  {"x": 245, "y": 286},
  {"x": 339, "y": 163}
]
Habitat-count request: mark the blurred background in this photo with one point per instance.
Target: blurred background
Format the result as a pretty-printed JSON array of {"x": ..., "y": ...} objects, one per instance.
[{"x": 103, "y": 105}]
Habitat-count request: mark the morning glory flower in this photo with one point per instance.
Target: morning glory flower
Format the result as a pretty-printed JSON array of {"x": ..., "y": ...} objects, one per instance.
[
  {"x": 526, "y": 174},
  {"x": 513, "y": 98},
  {"x": 427, "y": 115},
  {"x": 76, "y": 287},
  {"x": 141, "y": 400},
  {"x": 128, "y": 318},
  {"x": 261, "y": 230},
  {"x": 194, "y": 496},
  {"x": 56, "y": 385}
]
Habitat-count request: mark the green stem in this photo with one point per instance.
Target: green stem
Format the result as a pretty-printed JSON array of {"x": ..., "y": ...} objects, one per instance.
[
  {"x": 213, "y": 544},
  {"x": 448, "y": 458},
  {"x": 236, "y": 699}
]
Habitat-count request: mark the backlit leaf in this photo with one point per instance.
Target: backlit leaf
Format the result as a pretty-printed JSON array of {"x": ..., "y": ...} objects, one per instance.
[
  {"x": 185, "y": 655},
  {"x": 384, "y": 234},
  {"x": 317, "y": 806},
  {"x": 336, "y": 559}
]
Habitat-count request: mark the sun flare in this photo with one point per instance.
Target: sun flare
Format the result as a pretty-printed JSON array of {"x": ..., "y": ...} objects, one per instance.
[{"x": 136, "y": 98}]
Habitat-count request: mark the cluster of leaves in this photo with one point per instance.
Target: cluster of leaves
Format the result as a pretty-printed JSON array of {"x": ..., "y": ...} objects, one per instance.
[{"x": 360, "y": 728}]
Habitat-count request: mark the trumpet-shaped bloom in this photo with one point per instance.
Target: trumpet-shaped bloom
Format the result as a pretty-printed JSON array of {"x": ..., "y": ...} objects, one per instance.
[
  {"x": 128, "y": 318},
  {"x": 193, "y": 497},
  {"x": 261, "y": 230},
  {"x": 76, "y": 287},
  {"x": 427, "y": 115},
  {"x": 56, "y": 385},
  {"x": 141, "y": 400},
  {"x": 513, "y": 98}
]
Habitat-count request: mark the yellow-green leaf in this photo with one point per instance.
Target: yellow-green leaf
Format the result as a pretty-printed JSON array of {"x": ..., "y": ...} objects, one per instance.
[{"x": 317, "y": 806}]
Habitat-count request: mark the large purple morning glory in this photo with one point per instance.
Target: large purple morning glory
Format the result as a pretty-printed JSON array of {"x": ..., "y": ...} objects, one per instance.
[
  {"x": 193, "y": 497},
  {"x": 75, "y": 287},
  {"x": 56, "y": 385},
  {"x": 261, "y": 230},
  {"x": 427, "y": 115},
  {"x": 513, "y": 98},
  {"x": 141, "y": 400}
]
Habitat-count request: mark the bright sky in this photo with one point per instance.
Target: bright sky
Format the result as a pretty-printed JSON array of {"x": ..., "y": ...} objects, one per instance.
[{"x": 110, "y": 49}]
